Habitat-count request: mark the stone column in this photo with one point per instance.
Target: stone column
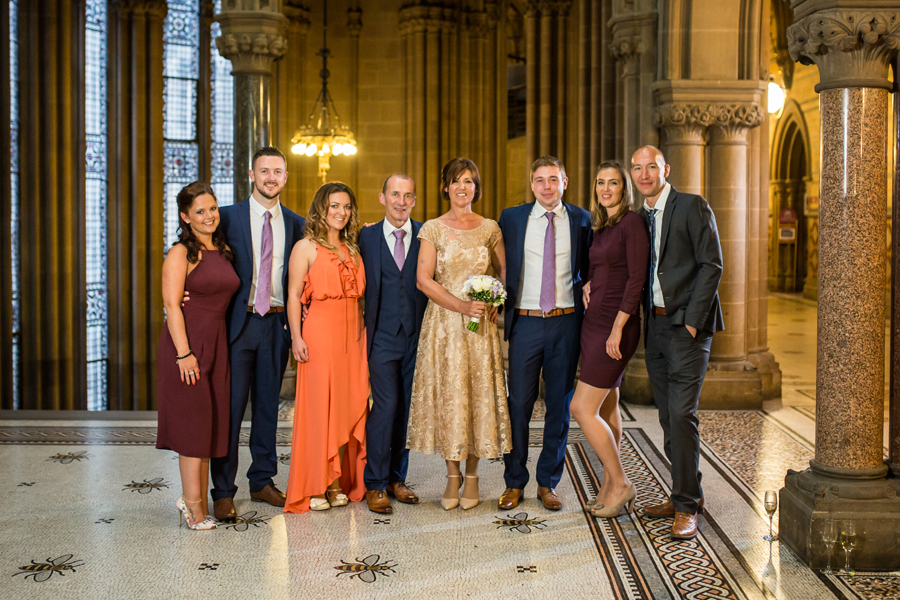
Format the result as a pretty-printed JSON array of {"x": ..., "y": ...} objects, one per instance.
[
  {"x": 136, "y": 193},
  {"x": 853, "y": 50},
  {"x": 253, "y": 37},
  {"x": 291, "y": 103},
  {"x": 7, "y": 397},
  {"x": 894, "y": 431}
]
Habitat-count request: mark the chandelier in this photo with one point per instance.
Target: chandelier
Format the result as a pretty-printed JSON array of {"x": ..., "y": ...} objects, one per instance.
[{"x": 323, "y": 135}]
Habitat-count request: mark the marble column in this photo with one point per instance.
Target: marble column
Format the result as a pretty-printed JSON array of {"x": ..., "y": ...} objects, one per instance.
[
  {"x": 852, "y": 50},
  {"x": 894, "y": 430},
  {"x": 7, "y": 398},
  {"x": 135, "y": 221},
  {"x": 253, "y": 37}
]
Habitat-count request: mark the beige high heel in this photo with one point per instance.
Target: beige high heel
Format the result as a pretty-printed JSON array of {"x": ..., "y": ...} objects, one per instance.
[
  {"x": 611, "y": 512},
  {"x": 336, "y": 497},
  {"x": 467, "y": 503},
  {"x": 184, "y": 512},
  {"x": 451, "y": 503}
]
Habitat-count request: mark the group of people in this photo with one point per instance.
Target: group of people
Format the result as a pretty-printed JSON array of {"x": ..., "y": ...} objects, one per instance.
[{"x": 380, "y": 310}]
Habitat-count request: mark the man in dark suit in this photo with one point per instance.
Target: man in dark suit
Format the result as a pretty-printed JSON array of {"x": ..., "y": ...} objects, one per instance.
[
  {"x": 547, "y": 245},
  {"x": 261, "y": 233},
  {"x": 682, "y": 313},
  {"x": 394, "y": 310}
]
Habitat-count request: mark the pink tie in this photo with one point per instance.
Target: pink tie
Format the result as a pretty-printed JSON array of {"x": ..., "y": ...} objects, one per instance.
[
  {"x": 399, "y": 255},
  {"x": 548, "y": 273},
  {"x": 264, "y": 281}
]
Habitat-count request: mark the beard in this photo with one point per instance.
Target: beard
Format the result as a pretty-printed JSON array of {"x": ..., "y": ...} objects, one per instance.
[{"x": 262, "y": 191}]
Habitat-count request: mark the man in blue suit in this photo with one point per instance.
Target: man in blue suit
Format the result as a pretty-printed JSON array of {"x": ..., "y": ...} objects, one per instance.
[
  {"x": 394, "y": 311},
  {"x": 261, "y": 233},
  {"x": 547, "y": 245}
]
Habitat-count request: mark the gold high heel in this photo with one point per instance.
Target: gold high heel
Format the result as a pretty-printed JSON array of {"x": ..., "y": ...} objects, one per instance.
[
  {"x": 181, "y": 505},
  {"x": 467, "y": 503},
  {"x": 336, "y": 497},
  {"x": 611, "y": 512},
  {"x": 451, "y": 503}
]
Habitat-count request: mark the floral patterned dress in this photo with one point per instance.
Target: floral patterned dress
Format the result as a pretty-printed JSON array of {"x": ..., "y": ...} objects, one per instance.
[{"x": 459, "y": 404}]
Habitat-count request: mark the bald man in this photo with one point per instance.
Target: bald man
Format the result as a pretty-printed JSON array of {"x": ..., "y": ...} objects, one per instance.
[{"x": 683, "y": 312}]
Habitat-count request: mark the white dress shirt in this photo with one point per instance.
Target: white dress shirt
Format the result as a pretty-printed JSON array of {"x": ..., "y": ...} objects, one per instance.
[
  {"x": 533, "y": 261},
  {"x": 658, "y": 216},
  {"x": 390, "y": 239},
  {"x": 257, "y": 218}
]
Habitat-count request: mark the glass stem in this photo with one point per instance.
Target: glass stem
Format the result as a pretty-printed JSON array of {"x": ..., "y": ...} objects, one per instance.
[
  {"x": 847, "y": 561},
  {"x": 830, "y": 550},
  {"x": 770, "y": 527}
]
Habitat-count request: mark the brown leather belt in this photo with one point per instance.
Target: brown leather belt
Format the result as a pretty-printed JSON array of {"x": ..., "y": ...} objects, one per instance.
[
  {"x": 556, "y": 312},
  {"x": 659, "y": 310},
  {"x": 272, "y": 309}
]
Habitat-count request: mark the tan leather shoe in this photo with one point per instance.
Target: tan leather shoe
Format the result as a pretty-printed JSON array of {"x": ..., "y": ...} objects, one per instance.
[
  {"x": 223, "y": 509},
  {"x": 402, "y": 493},
  {"x": 685, "y": 526},
  {"x": 667, "y": 509},
  {"x": 270, "y": 494},
  {"x": 549, "y": 498},
  {"x": 510, "y": 498},
  {"x": 379, "y": 502}
]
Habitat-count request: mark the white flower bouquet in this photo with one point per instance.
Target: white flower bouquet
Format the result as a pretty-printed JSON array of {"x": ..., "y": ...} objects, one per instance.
[{"x": 483, "y": 288}]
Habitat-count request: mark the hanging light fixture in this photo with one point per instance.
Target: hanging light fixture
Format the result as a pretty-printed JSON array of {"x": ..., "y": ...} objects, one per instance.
[
  {"x": 777, "y": 96},
  {"x": 323, "y": 135}
]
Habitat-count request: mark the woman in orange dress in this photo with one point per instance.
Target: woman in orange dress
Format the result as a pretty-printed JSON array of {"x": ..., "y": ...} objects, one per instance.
[{"x": 328, "y": 452}]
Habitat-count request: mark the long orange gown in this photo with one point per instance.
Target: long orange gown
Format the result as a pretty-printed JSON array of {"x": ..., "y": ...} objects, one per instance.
[{"x": 332, "y": 387}]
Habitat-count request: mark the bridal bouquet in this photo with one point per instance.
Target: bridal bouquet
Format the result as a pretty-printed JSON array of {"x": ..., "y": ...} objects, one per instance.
[{"x": 483, "y": 288}]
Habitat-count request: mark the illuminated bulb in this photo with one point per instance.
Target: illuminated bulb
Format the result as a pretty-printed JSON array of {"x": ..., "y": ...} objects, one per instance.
[
  {"x": 337, "y": 150},
  {"x": 311, "y": 149},
  {"x": 350, "y": 150},
  {"x": 777, "y": 96},
  {"x": 324, "y": 149}
]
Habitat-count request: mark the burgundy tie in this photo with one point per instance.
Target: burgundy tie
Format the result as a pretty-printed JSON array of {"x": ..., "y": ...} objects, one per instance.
[
  {"x": 399, "y": 255},
  {"x": 264, "y": 281},
  {"x": 548, "y": 273}
]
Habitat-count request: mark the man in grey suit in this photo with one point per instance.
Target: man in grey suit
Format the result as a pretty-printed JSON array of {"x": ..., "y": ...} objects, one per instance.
[{"x": 682, "y": 313}]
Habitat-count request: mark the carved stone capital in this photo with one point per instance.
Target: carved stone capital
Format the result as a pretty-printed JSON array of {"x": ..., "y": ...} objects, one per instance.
[
  {"x": 687, "y": 121},
  {"x": 626, "y": 50},
  {"x": 354, "y": 21},
  {"x": 547, "y": 8},
  {"x": 427, "y": 18},
  {"x": 852, "y": 48},
  {"x": 252, "y": 40},
  {"x": 298, "y": 16}
]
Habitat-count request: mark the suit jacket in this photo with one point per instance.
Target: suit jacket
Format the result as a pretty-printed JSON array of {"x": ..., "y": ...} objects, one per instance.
[
  {"x": 374, "y": 249},
  {"x": 690, "y": 263},
  {"x": 235, "y": 222},
  {"x": 513, "y": 222}
]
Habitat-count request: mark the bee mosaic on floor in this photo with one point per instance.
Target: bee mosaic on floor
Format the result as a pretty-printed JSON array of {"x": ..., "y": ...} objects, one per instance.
[
  {"x": 284, "y": 459},
  {"x": 244, "y": 521},
  {"x": 42, "y": 571},
  {"x": 65, "y": 459},
  {"x": 520, "y": 522},
  {"x": 146, "y": 486},
  {"x": 366, "y": 569}
]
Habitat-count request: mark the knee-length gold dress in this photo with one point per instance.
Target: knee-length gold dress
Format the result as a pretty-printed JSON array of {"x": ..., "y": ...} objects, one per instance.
[{"x": 459, "y": 404}]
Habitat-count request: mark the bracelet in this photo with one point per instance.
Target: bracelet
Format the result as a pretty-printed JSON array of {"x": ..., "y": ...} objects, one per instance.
[{"x": 177, "y": 358}]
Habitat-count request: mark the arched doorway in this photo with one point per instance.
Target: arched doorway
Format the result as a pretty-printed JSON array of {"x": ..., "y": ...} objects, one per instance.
[{"x": 792, "y": 264}]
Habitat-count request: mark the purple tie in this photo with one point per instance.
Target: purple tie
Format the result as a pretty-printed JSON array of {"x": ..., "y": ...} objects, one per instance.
[
  {"x": 264, "y": 281},
  {"x": 399, "y": 255},
  {"x": 548, "y": 273}
]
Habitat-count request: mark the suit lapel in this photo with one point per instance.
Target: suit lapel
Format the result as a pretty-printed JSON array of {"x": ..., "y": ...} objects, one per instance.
[
  {"x": 244, "y": 220},
  {"x": 667, "y": 219},
  {"x": 288, "y": 236},
  {"x": 574, "y": 246}
]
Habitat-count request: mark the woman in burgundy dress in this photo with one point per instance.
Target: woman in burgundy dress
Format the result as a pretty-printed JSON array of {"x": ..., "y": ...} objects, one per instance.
[
  {"x": 619, "y": 263},
  {"x": 192, "y": 357}
]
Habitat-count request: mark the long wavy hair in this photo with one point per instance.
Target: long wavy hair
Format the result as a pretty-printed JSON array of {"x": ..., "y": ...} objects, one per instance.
[
  {"x": 317, "y": 228},
  {"x": 599, "y": 215},
  {"x": 185, "y": 200}
]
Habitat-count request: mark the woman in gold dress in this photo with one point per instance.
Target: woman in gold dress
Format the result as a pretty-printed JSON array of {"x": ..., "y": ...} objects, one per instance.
[{"x": 459, "y": 405}]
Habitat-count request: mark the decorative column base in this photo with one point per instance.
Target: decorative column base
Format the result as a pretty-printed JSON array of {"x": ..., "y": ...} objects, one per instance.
[
  {"x": 809, "y": 499},
  {"x": 737, "y": 386}
]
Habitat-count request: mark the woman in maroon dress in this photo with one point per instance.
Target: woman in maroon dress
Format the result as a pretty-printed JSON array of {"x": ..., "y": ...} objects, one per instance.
[
  {"x": 192, "y": 357},
  {"x": 619, "y": 263}
]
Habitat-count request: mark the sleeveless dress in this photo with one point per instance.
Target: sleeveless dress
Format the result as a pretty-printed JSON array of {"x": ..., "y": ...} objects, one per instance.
[
  {"x": 619, "y": 265},
  {"x": 459, "y": 404},
  {"x": 333, "y": 386},
  {"x": 194, "y": 419}
]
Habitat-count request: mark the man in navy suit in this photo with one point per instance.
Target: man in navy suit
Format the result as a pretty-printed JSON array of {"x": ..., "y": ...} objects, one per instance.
[
  {"x": 547, "y": 245},
  {"x": 394, "y": 310},
  {"x": 682, "y": 314},
  {"x": 261, "y": 233}
]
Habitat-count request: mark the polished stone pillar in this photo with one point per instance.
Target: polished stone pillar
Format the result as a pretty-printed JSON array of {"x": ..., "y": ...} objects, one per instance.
[
  {"x": 253, "y": 37},
  {"x": 894, "y": 430},
  {"x": 136, "y": 191},
  {"x": 853, "y": 50},
  {"x": 6, "y": 158},
  {"x": 52, "y": 219}
]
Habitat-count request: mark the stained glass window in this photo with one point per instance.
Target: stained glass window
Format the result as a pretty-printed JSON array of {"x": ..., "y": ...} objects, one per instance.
[
  {"x": 14, "y": 196},
  {"x": 181, "y": 69},
  {"x": 222, "y": 134},
  {"x": 95, "y": 122}
]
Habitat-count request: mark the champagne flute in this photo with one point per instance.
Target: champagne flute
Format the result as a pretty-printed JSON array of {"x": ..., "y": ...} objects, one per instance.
[
  {"x": 771, "y": 505},
  {"x": 829, "y": 536},
  {"x": 848, "y": 541}
]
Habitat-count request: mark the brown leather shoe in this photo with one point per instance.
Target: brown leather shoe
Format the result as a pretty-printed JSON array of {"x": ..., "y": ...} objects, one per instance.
[
  {"x": 510, "y": 498},
  {"x": 667, "y": 509},
  {"x": 379, "y": 502},
  {"x": 223, "y": 509},
  {"x": 685, "y": 526},
  {"x": 550, "y": 498},
  {"x": 401, "y": 492},
  {"x": 270, "y": 494}
]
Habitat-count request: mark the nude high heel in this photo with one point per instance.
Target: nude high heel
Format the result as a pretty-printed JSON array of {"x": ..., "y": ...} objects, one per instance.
[
  {"x": 611, "y": 512},
  {"x": 451, "y": 503},
  {"x": 467, "y": 503},
  {"x": 183, "y": 512}
]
